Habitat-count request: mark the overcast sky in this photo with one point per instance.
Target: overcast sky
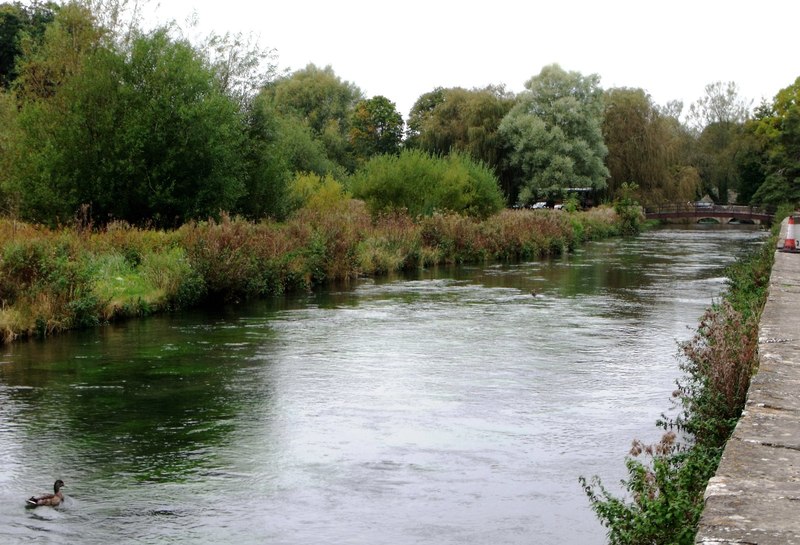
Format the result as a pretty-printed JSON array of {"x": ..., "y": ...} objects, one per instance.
[{"x": 405, "y": 48}]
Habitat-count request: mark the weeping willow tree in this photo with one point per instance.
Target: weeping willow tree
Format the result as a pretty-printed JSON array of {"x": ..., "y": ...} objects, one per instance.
[
  {"x": 462, "y": 120},
  {"x": 646, "y": 147}
]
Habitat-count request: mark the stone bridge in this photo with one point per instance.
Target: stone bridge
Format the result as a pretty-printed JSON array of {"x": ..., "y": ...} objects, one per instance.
[{"x": 699, "y": 211}]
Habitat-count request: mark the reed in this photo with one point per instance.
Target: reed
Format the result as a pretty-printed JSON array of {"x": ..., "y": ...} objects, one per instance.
[{"x": 53, "y": 280}]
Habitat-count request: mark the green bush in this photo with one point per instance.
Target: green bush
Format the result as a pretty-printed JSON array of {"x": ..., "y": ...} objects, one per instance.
[
  {"x": 629, "y": 210},
  {"x": 423, "y": 184}
]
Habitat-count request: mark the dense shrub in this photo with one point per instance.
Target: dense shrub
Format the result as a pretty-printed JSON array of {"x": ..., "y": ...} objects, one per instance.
[
  {"x": 629, "y": 211},
  {"x": 423, "y": 184},
  {"x": 309, "y": 190},
  {"x": 46, "y": 280},
  {"x": 236, "y": 258}
]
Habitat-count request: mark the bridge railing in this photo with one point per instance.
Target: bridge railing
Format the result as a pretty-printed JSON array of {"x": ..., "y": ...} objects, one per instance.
[{"x": 700, "y": 208}]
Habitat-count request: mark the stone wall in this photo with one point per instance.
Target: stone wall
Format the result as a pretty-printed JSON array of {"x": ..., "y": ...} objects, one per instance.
[{"x": 754, "y": 498}]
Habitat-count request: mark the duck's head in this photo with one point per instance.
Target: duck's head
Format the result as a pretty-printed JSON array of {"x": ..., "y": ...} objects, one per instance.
[{"x": 58, "y": 485}]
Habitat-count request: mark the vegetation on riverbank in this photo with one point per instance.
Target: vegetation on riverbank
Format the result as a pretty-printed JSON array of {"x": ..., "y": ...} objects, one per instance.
[
  {"x": 666, "y": 481},
  {"x": 55, "y": 280}
]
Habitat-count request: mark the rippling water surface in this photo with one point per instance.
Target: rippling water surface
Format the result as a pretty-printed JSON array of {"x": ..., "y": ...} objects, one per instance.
[{"x": 449, "y": 408}]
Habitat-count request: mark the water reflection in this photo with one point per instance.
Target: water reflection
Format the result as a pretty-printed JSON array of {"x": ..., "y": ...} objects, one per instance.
[{"x": 151, "y": 399}]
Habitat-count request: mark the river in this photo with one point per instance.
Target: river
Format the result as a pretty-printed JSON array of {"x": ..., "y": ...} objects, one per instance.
[{"x": 448, "y": 407}]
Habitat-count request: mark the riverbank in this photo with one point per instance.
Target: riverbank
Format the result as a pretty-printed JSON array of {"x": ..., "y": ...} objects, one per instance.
[
  {"x": 55, "y": 280},
  {"x": 666, "y": 480},
  {"x": 753, "y": 496}
]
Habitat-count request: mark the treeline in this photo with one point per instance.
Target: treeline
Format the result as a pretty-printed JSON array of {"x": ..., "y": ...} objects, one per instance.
[{"x": 103, "y": 119}]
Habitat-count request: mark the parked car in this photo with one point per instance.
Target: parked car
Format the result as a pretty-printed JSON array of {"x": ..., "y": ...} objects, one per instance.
[{"x": 538, "y": 205}]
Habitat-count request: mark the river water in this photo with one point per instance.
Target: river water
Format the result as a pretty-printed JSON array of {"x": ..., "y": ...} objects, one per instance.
[{"x": 452, "y": 407}]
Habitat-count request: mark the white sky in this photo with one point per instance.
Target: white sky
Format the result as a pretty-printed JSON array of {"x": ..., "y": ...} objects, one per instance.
[{"x": 403, "y": 49}]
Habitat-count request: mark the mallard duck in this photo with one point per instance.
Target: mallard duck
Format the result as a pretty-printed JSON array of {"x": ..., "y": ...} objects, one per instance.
[{"x": 48, "y": 499}]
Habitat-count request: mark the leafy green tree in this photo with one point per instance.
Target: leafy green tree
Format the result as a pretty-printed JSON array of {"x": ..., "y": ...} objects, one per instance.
[
  {"x": 324, "y": 102},
  {"x": 279, "y": 147},
  {"x": 554, "y": 135},
  {"x": 9, "y": 140},
  {"x": 462, "y": 120},
  {"x": 422, "y": 184},
  {"x": 458, "y": 119},
  {"x": 421, "y": 110},
  {"x": 268, "y": 169},
  {"x": 142, "y": 135},
  {"x": 46, "y": 68},
  {"x": 17, "y": 22},
  {"x": 751, "y": 161},
  {"x": 782, "y": 132},
  {"x": 717, "y": 119},
  {"x": 184, "y": 136},
  {"x": 376, "y": 127},
  {"x": 49, "y": 64},
  {"x": 716, "y": 159}
]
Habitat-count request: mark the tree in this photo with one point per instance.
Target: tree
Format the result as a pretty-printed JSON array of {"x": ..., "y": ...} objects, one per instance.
[
  {"x": 720, "y": 105},
  {"x": 467, "y": 121},
  {"x": 240, "y": 65},
  {"x": 45, "y": 68},
  {"x": 782, "y": 132},
  {"x": 553, "y": 134},
  {"x": 142, "y": 135},
  {"x": 644, "y": 148},
  {"x": 9, "y": 139},
  {"x": 717, "y": 147},
  {"x": 458, "y": 119},
  {"x": 751, "y": 161},
  {"x": 48, "y": 64},
  {"x": 184, "y": 137},
  {"x": 376, "y": 127},
  {"x": 717, "y": 119},
  {"x": 420, "y": 112},
  {"x": 324, "y": 102},
  {"x": 16, "y": 23},
  {"x": 279, "y": 147}
]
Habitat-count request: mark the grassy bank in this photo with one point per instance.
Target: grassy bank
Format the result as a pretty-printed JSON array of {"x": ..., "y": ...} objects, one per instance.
[
  {"x": 666, "y": 481},
  {"x": 55, "y": 280}
]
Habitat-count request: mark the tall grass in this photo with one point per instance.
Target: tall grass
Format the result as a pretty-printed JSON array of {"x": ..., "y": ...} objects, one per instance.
[{"x": 51, "y": 281}]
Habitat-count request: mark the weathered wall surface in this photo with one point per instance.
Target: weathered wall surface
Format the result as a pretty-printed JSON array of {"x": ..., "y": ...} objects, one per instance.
[{"x": 754, "y": 498}]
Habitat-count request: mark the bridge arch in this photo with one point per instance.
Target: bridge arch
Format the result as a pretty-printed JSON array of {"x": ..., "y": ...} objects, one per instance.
[{"x": 698, "y": 211}]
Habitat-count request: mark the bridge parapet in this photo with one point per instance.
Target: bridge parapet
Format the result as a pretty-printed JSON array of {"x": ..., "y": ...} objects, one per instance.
[{"x": 708, "y": 210}]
